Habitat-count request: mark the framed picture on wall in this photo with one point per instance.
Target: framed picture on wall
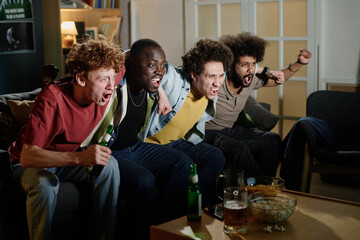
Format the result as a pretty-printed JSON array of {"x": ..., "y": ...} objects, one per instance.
[
  {"x": 16, "y": 37},
  {"x": 109, "y": 26},
  {"x": 92, "y": 31},
  {"x": 12, "y": 10}
]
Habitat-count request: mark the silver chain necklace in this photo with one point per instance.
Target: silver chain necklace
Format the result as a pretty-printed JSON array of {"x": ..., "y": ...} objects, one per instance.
[{"x": 142, "y": 101}]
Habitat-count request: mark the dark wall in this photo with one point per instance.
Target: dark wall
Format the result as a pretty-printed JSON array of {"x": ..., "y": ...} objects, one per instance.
[{"x": 22, "y": 71}]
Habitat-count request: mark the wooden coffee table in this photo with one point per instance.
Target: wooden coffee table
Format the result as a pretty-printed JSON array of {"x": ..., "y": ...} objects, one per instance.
[{"x": 315, "y": 217}]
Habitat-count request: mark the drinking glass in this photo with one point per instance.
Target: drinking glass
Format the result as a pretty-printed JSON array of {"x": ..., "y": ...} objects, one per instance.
[
  {"x": 229, "y": 178},
  {"x": 235, "y": 207},
  {"x": 231, "y": 190}
]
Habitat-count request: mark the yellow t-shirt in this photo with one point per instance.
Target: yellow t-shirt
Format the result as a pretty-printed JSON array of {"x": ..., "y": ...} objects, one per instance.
[{"x": 189, "y": 114}]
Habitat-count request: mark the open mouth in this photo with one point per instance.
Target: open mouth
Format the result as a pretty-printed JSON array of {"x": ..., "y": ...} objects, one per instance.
[
  {"x": 214, "y": 91},
  {"x": 107, "y": 97},
  {"x": 248, "y": 79},
  {"x": 156, "y": 81}
]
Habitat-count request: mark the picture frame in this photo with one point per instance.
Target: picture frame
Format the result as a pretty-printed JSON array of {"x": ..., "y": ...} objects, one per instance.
[
  {"x": 92, "y": 31},
  {"x": 15, "y": 10},
  {"x": 17, "y": 37},
  {"x": 109, "y": 26}
]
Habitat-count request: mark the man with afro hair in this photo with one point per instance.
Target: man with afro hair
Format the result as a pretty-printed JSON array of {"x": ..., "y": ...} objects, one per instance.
[{"x": 257, "y": 152}]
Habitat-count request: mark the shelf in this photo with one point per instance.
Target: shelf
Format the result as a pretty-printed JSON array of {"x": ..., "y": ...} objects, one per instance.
[
  {"x": 53, "y": 15},
  {"x": 91, "y": 17}
]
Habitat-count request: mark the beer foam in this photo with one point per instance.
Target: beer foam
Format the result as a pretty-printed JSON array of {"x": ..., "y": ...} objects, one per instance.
[{"x": 235, "y": 205}]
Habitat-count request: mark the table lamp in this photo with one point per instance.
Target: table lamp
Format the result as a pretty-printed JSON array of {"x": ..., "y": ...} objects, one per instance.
[{"x": 69, "y": 32}]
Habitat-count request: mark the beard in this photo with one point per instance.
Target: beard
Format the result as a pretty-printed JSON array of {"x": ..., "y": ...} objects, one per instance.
[{"x": 240, "y": 82}]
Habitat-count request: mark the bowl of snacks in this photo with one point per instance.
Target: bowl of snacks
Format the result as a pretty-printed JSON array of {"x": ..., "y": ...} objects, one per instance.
[
  {"x": 271, "y": 209},
  {"x": 269, "y": 185}
]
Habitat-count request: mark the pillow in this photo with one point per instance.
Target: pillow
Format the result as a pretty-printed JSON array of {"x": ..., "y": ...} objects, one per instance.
[
  {"x": 20, "y": 110},
  {"x": 264, "y": 119},
  {"x": 245, "y": 120}
]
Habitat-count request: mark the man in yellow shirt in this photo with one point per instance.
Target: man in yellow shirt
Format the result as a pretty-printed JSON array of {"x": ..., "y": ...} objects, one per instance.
[{"x": 192, "y": 91}]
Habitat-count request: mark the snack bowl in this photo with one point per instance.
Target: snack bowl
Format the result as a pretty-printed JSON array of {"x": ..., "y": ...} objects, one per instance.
[
  {"x": 271, "y": 209},
  {"x": 269, "y": 185}
]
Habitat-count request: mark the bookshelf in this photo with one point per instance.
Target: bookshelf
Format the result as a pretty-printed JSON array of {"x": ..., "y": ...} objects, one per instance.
[{"x": 53, "y": 15}]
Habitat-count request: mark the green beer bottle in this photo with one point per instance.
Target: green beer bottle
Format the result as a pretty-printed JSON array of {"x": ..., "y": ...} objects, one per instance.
[
  {"x": 194, "y": 196},
  {"x": 96, "y": 169}
]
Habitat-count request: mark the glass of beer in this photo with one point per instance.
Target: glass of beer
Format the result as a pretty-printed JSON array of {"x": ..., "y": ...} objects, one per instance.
[
  {"x": 235, "y": 207},
  {"x": 234, "y": 201}
]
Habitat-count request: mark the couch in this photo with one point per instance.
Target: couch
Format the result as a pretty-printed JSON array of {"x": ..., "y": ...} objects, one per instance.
[
  {"x": 72, "y": 209},
  {"x": 338, "y": 161}
]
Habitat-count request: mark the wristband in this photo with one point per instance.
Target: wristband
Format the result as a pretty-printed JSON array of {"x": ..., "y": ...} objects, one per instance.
[
  {"x": 298, "y": 61},
  {"x": 264, "y": 71}
]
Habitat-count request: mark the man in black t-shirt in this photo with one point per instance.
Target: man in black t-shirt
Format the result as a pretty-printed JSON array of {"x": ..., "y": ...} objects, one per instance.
[{"x": 154, "y": 178}]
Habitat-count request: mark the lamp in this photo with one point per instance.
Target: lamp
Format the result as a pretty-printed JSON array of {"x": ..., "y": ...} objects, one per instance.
[{"x": 69, "y": 32}]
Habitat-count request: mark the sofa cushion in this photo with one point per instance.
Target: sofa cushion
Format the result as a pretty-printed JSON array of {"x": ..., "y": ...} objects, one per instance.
[
  {"x": 18, "y": 96},
  {"x": 21, "y": 110},
  {"x": 8, "y": 126}
]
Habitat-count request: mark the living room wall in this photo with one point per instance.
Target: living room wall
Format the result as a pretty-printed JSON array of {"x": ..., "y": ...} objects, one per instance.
[{"x": 21, "y": 70}]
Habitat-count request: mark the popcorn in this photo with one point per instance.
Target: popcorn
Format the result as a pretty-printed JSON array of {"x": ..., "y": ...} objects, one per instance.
[
  {"x": 272, "y": 210},
  {"x": 279, "y": 228},
  {"x": 267, "y": 229}
]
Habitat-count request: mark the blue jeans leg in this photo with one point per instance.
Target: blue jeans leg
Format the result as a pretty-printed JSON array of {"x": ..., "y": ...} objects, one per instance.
[
  {"x": 210, "y": 162},
  {"x": 105, "y": 191},
  {"x": 105, "y": 198},
  {"x": 136, "y": 197},
  {"x": 157, "y": 172},
  {"x": 41, "y": 187}
]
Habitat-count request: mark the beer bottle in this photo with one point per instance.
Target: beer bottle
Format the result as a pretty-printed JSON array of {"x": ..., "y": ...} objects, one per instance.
[
  {"x": 194, "y": 196},
  {"x": 96, "y": 169}
]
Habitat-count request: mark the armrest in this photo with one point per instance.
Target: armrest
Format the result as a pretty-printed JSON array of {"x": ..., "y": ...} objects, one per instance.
[
  {"x": 5, "y": 192},
  {"x": 5, "y": 170}
]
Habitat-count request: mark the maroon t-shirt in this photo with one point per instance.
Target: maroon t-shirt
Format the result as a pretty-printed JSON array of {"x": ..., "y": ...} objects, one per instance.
[{"x": 57, "y": 121}]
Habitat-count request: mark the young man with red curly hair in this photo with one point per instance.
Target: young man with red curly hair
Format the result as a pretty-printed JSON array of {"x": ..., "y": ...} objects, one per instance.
[{"x": 53, "y": 147}]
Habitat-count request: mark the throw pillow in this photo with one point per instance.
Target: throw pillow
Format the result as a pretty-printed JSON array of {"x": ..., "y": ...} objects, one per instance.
[
  {"x": 264, "y": 119},
  {"x": 245, "y": 120},
  {"x": 21, "y": 110}
]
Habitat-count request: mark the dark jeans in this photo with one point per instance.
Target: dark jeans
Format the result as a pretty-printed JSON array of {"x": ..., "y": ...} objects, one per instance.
[
  {"x": 294, "y": 147},
  {"x": 210, "y": 162},
  {"x": 153, "y": 187},
  {"x": 255, "y": 151}
]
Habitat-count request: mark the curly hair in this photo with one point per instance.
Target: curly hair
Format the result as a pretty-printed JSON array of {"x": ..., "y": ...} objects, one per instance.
[
  {"x": 245, "y": 44},
  {"x": 92, "y": 55},
  {"x": 204, "y": 51}
]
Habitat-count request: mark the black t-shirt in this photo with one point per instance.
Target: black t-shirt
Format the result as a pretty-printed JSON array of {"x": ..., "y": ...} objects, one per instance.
[{"x": 133, "y": 121}]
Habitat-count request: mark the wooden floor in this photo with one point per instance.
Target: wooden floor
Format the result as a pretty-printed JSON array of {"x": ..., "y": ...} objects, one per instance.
[
  {"x": 319, "y": 187},
  {"x": 322, "y": 188}
]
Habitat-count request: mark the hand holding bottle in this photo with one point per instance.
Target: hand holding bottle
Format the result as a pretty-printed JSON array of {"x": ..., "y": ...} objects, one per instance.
[
  {"x": 95, "y": 155},
  {"x": 96, "y": 169}
]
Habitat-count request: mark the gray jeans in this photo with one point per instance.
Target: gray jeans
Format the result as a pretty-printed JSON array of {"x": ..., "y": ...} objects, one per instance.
[{"x": 41, "y": 188}]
